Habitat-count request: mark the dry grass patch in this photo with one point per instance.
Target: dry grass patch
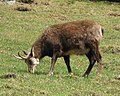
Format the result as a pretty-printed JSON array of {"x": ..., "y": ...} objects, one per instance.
[{"x": 117, "y": 27}]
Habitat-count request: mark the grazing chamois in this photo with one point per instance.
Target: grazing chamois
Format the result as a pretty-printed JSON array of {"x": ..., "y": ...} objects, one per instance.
[{"x": 63, "y": 40}]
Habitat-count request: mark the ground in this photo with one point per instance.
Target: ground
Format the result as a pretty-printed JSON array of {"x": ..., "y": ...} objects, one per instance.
[{"x": 20, "y": 28}]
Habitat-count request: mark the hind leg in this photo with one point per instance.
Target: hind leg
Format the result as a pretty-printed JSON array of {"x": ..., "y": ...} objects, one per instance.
[
  {"x": 99, "y": 60},
  {"x": 95, "y": 54},
  {"x": 92, "y": 61}
]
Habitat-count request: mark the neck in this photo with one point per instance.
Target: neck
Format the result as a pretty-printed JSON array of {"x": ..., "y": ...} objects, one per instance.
[{"x": 36, "y": 50}]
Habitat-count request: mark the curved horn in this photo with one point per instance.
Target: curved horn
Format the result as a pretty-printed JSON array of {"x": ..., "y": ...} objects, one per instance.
[
  {"x": 25, "y": 52},
  {"x": 32, "y": 52},
  {"x": 23, "y": 57},
  {"x": 17, "y": 57}
]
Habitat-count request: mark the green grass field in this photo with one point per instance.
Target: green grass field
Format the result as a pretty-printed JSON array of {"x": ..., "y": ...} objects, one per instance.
[{"x": 19, "y": 30}]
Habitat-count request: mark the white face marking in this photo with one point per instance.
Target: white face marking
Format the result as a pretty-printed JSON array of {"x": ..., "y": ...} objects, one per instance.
[
  {"x": 32, "y": 63},
  {"x": 35, "y": 61}
]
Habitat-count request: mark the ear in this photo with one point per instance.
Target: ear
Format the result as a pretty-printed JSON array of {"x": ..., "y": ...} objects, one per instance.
[{"x": 32, "y": 52}]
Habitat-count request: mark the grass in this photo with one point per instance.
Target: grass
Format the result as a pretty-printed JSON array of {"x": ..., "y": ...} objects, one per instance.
[{"x": 19, "y": 30}]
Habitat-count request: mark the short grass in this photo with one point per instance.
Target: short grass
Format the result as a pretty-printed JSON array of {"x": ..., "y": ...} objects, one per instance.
[{"x": 19, "y": 30}]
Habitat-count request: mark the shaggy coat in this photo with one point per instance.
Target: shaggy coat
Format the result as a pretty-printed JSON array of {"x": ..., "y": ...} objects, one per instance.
[{"x": 63, "y": 40}]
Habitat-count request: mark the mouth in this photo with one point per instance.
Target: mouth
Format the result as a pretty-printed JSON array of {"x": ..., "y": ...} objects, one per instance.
[{"x": 32, "y": 69}]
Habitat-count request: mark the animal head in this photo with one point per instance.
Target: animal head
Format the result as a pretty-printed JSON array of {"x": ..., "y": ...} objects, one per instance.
[{"x": 29, "y": 59}]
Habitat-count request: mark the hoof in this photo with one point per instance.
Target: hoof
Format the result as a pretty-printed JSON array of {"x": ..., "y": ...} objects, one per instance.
[
  {"x": 50, "y": 74},
  {"x": 99, "y": 75},
  {"x": 71, "y": 73},
  {"x": 85, "y": 75}
]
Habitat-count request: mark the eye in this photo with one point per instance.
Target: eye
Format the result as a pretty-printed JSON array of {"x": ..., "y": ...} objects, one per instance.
[{"x": 30, "y": 62}]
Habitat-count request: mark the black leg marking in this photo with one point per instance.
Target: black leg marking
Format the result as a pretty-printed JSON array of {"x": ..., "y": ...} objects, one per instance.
[
  {"x": 93, "y": 56},
  {"x": 92, "y": 61},
  {"x": 67, "y": 62}
]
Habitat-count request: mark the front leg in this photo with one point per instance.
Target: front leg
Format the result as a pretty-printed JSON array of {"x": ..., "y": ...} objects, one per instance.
[
  {"x": 67, "y": 62},
  {"x": 53, "y": 61}
]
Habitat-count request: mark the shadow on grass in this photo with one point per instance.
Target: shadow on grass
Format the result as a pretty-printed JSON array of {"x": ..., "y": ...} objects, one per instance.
[
  {"x": 41, "y": 73},
  {"x": 113, "y": 0},
  {"x": 106, "y": 0}
]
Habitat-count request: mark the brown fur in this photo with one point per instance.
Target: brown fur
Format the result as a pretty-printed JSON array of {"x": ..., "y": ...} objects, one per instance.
[
  {"x": 66, "y": 37},
  {"x": 63, "y": 40}
]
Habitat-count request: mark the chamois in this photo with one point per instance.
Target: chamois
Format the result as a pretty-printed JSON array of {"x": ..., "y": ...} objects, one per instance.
[{"x": 62, "y": 40}]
